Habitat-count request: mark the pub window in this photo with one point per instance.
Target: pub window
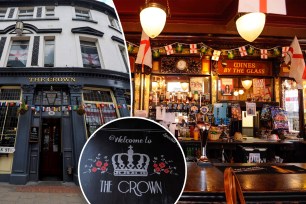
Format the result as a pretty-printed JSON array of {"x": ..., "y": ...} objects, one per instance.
[
  {"x": 49, "y": 53},
  {"x": 49, "y": 11},
  {"x": 9, "y": 100},
  {"x": 82, "y": 14},
  {"x": 2, "y": 13},
  {"x": 100, "y": 108},
  {"x": 18, "y": 54},
  {"x": 90, "y": 55},
  {"x": 114, "y": 23},
  {"x": 26, "y": 12},
  {"x": 124, "y": 57}
]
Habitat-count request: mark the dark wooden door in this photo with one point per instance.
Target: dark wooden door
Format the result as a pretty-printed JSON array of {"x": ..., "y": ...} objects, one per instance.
[{"x": 51, "y": 161}]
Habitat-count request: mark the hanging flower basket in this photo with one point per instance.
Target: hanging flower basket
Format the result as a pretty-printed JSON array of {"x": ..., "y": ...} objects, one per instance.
[
  {"x": 81, "y": 110},
  {"x": 23, "y": 108}
]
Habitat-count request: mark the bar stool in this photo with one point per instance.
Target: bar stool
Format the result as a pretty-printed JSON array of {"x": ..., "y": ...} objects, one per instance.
[{"x": 232, "y": 187}]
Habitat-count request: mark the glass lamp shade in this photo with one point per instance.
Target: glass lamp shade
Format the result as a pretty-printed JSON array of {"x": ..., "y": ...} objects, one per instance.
[
  {"x": 249, "y": 26},
  {"x": 236, "y": 93},
  {"x": 153, "y": 19},
  {"x": 247, "y": 83},
  {"x": 241, "y": 92},
  {"x": 184, "y": 86}
]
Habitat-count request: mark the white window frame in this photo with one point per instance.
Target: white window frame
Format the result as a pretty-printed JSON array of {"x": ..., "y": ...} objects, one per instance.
[
  {"x": 114, "y": 22},
  {"x": 48, "y": 38},
  {"x": 29, "y": 49},
  {"x": 92, "y": 40},
  {"x": 3, "y": 14},
  {"x": 50, "y": 13},
  {"x": 124, "y": 57},
  {"x": 83, "y": 14},
  {"x": 26, "y": 14}
]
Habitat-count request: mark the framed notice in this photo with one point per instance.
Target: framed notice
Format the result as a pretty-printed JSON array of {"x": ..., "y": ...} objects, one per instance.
[
  {"x": 251, "y": 109},
  {"x": 227, "y": 87},
  {"x": 259, "y": 87},
  {"x": 34, "y": 134},
  {"x": 197, "y": 84}
]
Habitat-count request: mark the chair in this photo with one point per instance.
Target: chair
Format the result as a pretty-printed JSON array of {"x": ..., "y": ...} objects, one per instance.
[{"x": 232, "y": 187}]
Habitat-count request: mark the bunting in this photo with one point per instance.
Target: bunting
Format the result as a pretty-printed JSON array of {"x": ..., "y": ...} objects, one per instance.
[
  {"x": 243, "y": 51},
  {"x": 169, "y": 49},
  {"x": 193, "y": 48},
  {"x": 264, "y": 54},
  {"x": 216, "y": 55}
]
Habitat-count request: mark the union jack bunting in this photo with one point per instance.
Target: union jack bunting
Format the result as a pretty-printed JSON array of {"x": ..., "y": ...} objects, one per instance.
[
  {"x": 169, "y": 49},
  {"x": 91, "y": 59},
  {"x": 243, "y": 51},
  {"x": 193, "y": 48},
  {"x": 263, "y": 54},
  {"x": 284, "y": 51},
  {"x": 216, "y": 55}
]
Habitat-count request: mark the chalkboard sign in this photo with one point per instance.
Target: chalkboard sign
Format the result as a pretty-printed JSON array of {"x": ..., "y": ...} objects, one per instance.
[
  {"x": 34, "y": 134},
  {"x": 132, "y": 160}
]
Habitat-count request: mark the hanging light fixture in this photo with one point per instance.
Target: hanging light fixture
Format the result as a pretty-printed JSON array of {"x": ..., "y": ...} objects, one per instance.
[
  {"x": 246, "y": 83},
  {"x": 250, "y": 25},
  {"x": 153, "y": 18},
  {"x": 19, "y": 28}
]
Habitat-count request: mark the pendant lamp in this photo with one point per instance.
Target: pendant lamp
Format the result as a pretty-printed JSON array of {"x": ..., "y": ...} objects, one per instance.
[
  {"x": 153, "y": 19},
  {"x": 250, "y": 25}
]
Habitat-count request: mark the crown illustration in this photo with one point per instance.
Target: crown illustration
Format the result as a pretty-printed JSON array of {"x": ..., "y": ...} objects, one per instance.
[{"x": 130, "y": 163}]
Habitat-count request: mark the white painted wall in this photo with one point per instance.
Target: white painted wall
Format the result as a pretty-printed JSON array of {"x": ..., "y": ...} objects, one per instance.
[{"x": 67, "y": 45}]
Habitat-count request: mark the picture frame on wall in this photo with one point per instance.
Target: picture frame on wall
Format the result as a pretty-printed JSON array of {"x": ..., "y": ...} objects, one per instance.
[
  {"x": 197, "y": 84},
  {"x": 227, "y": 86}
]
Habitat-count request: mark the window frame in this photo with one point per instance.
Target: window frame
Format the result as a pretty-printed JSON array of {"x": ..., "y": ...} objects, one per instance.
[
  {"x": 28, "y": 39},
  {"x": 48, "y": 38},
  {"x": 81, "y": 15},
  {"x": 114, "y": 22},
  {"x": 27, "y": 14},
  {"x": 124, "y": 57},
  {"x": 3, "y": 15},
  {"x": 95, "y": 41},
  {"x": 47, "y": 13}
]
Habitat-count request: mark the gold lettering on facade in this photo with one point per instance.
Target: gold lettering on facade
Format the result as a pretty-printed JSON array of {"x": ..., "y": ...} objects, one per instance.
[{"x": 51, "y": 79}]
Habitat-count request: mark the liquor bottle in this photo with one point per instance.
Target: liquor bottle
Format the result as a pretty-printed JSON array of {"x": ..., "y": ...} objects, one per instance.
[
  {"x": 151, "y": 97},
  {"x": 161, "y": 97}
]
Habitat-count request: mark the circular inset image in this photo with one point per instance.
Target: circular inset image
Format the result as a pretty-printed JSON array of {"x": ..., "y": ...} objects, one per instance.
[{"x": 132, "y": 160}]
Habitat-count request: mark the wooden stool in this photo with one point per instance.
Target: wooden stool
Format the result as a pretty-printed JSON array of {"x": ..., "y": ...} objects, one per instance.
[{"x": 232, "y": 187}]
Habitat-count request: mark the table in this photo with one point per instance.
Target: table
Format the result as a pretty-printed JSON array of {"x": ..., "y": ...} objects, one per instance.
[{"x": 205, "y": 185}]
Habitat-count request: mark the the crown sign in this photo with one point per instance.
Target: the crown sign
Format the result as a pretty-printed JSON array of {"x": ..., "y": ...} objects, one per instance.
[{"x": 130, "y": 163}]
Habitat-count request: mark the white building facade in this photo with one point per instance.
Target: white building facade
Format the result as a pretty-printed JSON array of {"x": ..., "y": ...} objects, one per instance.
[{"x": 63, "y": 73}]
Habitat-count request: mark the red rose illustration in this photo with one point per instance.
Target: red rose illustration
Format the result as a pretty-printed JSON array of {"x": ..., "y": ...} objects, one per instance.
[
  {"x": 98, "y": 163},
  {"x": 105, "y": 164},
  {"x": 157, "y": 169},
  {"x": 103, "y": 168},
  {"x": 162, "y": 165},
  {"x": 155, "y": 165},
  {"x": 166, "y": 171},
  {"x": 94, "y": 169}
]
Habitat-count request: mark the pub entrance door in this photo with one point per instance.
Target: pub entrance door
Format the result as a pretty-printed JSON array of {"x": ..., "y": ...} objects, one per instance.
[{"x": 51, "y": 157}]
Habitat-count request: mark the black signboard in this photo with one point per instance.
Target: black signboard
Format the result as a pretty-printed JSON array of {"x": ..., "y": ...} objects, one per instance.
[
  {"x": 132, "y": 160},
  {"x": 34, "y": 134}
]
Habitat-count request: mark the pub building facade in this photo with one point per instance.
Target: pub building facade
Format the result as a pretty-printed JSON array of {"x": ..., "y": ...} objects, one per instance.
[{"x": 64, "y": 72}]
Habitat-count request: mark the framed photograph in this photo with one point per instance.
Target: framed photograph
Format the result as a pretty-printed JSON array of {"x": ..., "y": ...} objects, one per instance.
[
  {"x": 227, "y": 87},
  {"x": 197, "y": 84},
  {"x": 259, "y": 87}
]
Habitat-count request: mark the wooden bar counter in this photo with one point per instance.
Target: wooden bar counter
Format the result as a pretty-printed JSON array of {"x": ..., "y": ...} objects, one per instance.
[{"x": 205, "y": 184}]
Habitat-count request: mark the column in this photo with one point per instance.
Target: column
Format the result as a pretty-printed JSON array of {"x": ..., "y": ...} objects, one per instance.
[
  {"x": 20, "y": 174},
  {"x": 78, "y": 127}
]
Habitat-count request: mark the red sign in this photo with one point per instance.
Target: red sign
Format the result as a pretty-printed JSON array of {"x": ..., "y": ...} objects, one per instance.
[{"x": 246, "y": 67}]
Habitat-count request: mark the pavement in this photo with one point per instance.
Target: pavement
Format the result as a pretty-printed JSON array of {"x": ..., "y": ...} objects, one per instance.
[{"x": 42, "y": 192}]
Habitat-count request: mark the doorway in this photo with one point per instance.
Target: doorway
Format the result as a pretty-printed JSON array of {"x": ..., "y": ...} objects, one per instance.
[{"x": 51, "y": 157}]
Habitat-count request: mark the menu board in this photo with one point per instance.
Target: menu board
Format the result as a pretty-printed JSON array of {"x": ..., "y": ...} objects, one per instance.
[
  {"x": 132, "y": 160},
  {"x": 259, "y": 87}
]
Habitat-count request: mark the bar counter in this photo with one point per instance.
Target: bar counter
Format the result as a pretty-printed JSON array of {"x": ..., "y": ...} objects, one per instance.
[{"x": 205, "y": 184}]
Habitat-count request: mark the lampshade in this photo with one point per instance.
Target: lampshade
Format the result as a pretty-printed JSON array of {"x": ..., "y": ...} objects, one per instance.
[
  {"x": 154, "y": 85},
  {"x": 236, "y": 93},
  {"x": 250, "y": 25},
  {"x": 153, "y": 19},
  {"x": 19, "y": 27},
  {"x": 246, "y": 83},
  {"x": 184, "y": 86}
]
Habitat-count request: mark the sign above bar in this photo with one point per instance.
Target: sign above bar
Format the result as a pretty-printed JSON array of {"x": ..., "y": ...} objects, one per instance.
[
  {"x": 51, "y": 79},
  {"x": 245, "y": 67}
]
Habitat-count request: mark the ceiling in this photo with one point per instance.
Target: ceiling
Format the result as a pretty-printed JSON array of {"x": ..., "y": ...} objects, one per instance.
[{"x": 213, "y": 22}]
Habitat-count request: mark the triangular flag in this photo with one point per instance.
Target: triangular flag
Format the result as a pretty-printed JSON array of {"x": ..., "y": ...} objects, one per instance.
[
  {"x": 216, "y": 55},
  {"x": 169, "y": 49},
  {"x": 193, "y": 48},
  {"x": 297, "y": 67},
  {"x": 243, "y": 51},
  {"x": 144, "y": 55},
  {"x": 263, "y": 54},
  {"x": 263, "y": 6}
]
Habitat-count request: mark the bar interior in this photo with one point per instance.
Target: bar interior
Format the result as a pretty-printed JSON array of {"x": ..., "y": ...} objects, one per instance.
[{"x": 228, "y": 99}]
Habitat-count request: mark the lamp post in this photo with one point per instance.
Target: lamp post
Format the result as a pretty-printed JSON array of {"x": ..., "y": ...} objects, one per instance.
[{"x": 19, "y": 28}]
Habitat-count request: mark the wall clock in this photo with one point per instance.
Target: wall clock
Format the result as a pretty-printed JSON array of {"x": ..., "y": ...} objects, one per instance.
[{"x": 181, "y": 64}]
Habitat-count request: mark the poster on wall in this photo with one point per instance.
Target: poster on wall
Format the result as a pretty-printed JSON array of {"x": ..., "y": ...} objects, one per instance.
[
  {"x": 227, "y": 87},
  {"x": 128, "y": 161},
  {"x": 197, "y": 84},
  {"x": 251, "y": 109},
  {"x": 259, "y": 87}
]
